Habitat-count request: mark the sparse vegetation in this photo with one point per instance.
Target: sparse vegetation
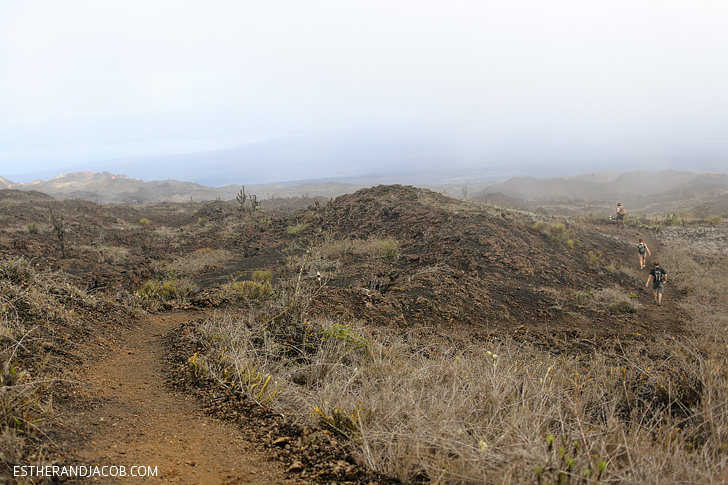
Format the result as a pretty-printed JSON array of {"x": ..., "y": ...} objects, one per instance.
[
  {"x": 557, "y": 232},
  {"x": 242, "y": 198},
  {"x": 594, "y": 260},
  {"x": 59, "y": 226},
  {"x": 297, "y": 229},
  {"x": 584, "y": 295}
]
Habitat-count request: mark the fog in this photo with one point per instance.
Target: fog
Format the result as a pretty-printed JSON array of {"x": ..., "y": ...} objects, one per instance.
[{"x": 364, "y": 86}]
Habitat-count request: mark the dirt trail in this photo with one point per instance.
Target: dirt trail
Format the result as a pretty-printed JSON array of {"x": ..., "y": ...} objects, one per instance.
[
  {"x": 630, "y": 237},
  {"x": 139, "y": 421}
]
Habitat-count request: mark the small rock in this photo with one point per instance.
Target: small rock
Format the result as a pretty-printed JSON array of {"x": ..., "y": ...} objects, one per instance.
[
  {"x": 296, "y": 467},
  {"x": 282, "y": 441}
]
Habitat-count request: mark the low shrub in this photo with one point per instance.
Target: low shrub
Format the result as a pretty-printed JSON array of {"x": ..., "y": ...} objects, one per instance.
[
  {"x": 246, "y": 290},
  {"x": 593, "y": 260},
  {"x": 262, "y": 276},
  {"x": 297, "y": 229},
  {"x": 387, "y": 249},
  {"x": 165, "y": 290},
  {"x": 584, "y": 295},
  {"x": 557, "y": 233}
]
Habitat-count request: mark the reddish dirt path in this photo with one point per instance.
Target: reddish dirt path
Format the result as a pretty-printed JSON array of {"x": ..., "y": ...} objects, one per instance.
[{"x": 138, "y": 420}]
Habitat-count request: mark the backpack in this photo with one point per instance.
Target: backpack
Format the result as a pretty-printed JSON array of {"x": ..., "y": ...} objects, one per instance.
[
  {"x": 658, "y": 275},
  {"x": 641, "y": 248}
]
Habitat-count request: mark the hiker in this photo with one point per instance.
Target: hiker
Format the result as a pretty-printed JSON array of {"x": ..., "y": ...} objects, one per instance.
[
  {"x": 659, "y": 278},
  {"x": 621, "y": 211},
  {"x": 643, "y": 251}
]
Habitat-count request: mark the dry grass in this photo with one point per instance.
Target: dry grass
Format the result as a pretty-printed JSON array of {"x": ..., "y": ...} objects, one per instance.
[
  {"x": 198, "y": 262},
  {"x": 616, "y": 300},
  {"x": 37, "y": 308},
  {"x": 475, "y": 415},
  {"x": 504, "y": 413},
  {"x": 333, "y": 249},
  {"x": 110, "y": 254}
]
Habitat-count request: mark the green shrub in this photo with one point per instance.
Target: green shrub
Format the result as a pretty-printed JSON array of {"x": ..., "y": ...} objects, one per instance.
[
  {"x": 250, "y": 290},
  {"x": 556, "y": 231},
  {"x": 263, "y": 276},
  {"x": 388, "y": 249},
  {"x": 345, "y": 333},
  {"x": 168, "y": 289},
  {"x": 145, "y": 222},
  {"x": 559, "y": 233},
  {"x": 298, "y": 229},
  {"x": 584, "y": 295}
]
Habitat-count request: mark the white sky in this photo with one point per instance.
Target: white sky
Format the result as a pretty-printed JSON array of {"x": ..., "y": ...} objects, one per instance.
[{"x": 545, "y": 81}]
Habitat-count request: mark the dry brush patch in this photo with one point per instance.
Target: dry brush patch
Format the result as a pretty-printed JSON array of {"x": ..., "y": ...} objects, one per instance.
[
  {"x": 463, "y": 414},
  {"x": 198, "y": 262},
  {"x": 43, "y": 315}
]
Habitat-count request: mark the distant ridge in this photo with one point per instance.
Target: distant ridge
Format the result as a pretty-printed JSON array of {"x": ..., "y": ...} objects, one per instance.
[
  {"x": 629, "y": 185},
  {"x": 643, "y": 192},
  {"x": 5, "y": 183},
  {"x": 112, "y": 188},
  {"x": 637, "y": 189}
]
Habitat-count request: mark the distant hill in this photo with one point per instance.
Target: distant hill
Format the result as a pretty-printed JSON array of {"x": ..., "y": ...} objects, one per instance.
[
  {"x": 111, "y": 188},
  {"x": 641, "y": 192},
  {"x": 5, "y": 183},
  {"x": 593, "y": 193},
  {"x": 592, "y": 186}
]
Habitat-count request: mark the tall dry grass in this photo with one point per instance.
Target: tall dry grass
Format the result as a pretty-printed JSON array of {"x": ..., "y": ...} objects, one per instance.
[
  {"x": 38, "y": 310},
  {"x": 505, "y": 412}
]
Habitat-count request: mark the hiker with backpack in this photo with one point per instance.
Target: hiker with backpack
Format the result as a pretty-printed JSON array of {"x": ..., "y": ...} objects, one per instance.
[
  {"x": 643, "y": 251},
  {"x": 659, "y": 278},
  {"x": 621, "y": 212}
]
